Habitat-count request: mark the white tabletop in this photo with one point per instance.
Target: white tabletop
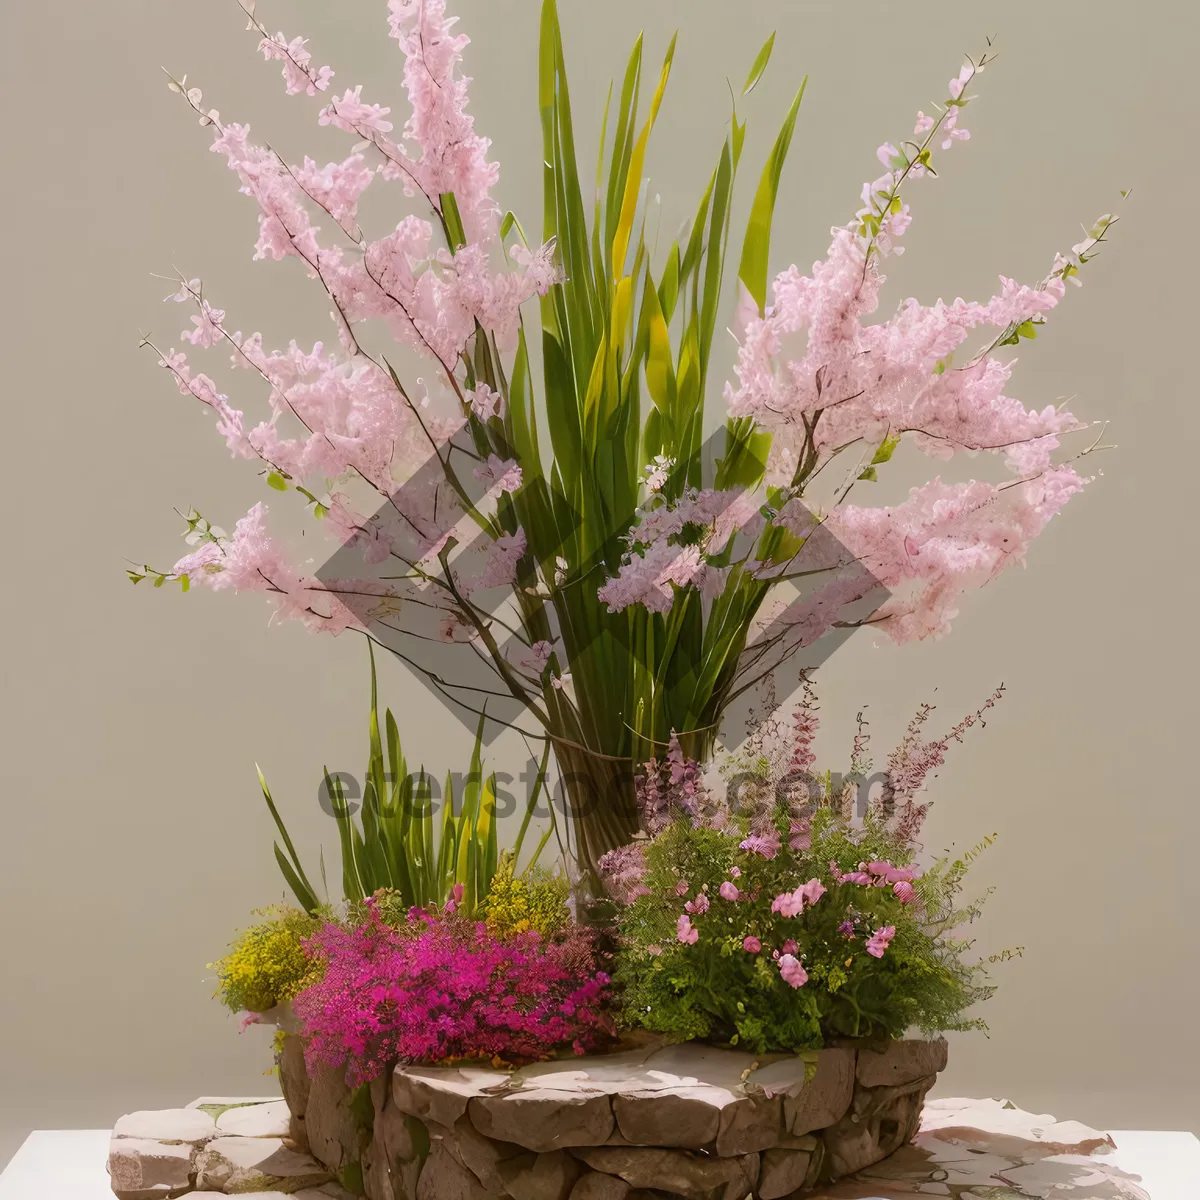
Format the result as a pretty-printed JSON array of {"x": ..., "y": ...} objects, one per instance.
[{"x": 68, "y": 1164}]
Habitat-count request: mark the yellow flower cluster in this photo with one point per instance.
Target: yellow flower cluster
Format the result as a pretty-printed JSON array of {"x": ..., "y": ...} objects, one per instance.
[
  {"x": 267, "y": 963},
  {"x": 517, "y": 903}
]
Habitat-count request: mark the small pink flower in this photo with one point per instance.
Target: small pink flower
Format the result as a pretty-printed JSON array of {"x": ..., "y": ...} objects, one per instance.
[
  {"x": 791, "y": 904},
  {"x": 904, "y": 892},
  {"x": 685, "y": 932},
  {"x": 800, "y": 836},
  {"x": 654, "y": 950},
  {"x": 681, "y": 887},
  {"x": 735, "y": 872},
  {"x": 764, "y": 847},
  {"x": 790, "y": 947},
  {"x": 248, "y": 1019},
  {"x": 729, "y": 891},
  {"x": 878, "y": 942},
  {"x": 751, "y": 945},
  {"x": 888, "y": 873},
  {"x": 699, "y": 906},
  {"x": 794, "y": 975},
  {"x": 456, "y": 894},
  {"x": 846, "y": 929}
]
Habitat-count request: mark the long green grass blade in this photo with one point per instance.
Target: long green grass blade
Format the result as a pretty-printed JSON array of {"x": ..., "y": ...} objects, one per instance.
[
  {"x": 760, "y": 65},
  {"x": 467, "y": 861},
  {"x": 622, "y": 149},
  {"x": 489, "y": 837},
  {"x": 352, "y": 886},
  {"x": 756, "y": 247},
  {"x": 537, "y": 853},
  {"x": 538, "y": 785},
  {"x": 633, "y": 182},
  {"x": 297, "y": 869},
  {"x": 304, "y": 894},
  {"x": 448, "y": 846}
]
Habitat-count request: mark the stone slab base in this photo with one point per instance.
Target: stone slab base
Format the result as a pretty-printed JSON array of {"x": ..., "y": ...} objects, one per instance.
[
  {"x": 685, "y": 1121},
  {"x": 964, "y": 1148},
  {"x": 215, "y": 1145}
]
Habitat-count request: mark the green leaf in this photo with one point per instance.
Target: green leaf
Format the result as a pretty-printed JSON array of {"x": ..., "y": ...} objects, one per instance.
[
  {"x": 756, "y": 247},
  {"x": 348, "y": 837},
  {"x": 668, "y": 287},
  {"x": 633, "y": 183},
  {"x": 660, "y": 373},
  {"x": 534, "y": 792},
  {"x": 745, "y": 459},
  {"x": 293, "y": 872},
  {"x": 469, "y": 849},
  {"x": 277, "y": 481},
  {"x": 869, "y": 475},
  {"x": 760, "y": 65},
  {"x": 886, "y": 449},
  {"x": 307, "y": 900},
  {"x": 714, "y": 272},
  {"x": 488, "y": 838},
  {"x": 184, "y": 583},
  {"x": 622, "y": 148},
  {"x": 453, "y": 221},
  {"x": 160, "y": 581}
]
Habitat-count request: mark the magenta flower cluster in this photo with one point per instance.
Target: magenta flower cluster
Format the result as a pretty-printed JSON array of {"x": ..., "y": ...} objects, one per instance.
[{"x": 445, "y": 988}]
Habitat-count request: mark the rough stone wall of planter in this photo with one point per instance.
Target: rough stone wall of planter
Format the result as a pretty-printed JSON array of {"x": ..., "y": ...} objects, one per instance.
[{"x": 684, "y": 1121}]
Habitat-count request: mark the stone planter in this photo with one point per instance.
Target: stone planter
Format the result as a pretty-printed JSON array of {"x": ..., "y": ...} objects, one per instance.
[{"x": 681, "y": 1121}]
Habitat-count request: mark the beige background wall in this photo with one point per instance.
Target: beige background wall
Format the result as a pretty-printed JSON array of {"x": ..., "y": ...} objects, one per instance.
[{"x": 133, "y": 842}]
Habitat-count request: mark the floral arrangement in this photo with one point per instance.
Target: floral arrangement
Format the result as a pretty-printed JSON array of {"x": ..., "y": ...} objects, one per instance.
[
  {"x": 620, "y": 580},
  {"x": 784, "y": 921},
  {"x": 620, "y": 584},
  {"x": 377, "y": 979},
  {"x": 761, "y": 909},
  {"x": 442, "y": 989}
]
